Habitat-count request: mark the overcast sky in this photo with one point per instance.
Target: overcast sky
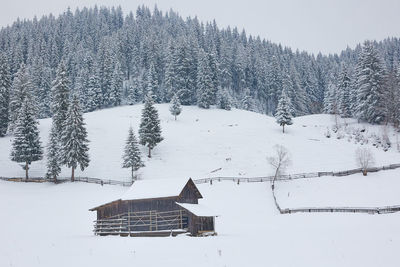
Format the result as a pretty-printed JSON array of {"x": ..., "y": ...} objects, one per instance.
[{"x": 326, "y": 26}]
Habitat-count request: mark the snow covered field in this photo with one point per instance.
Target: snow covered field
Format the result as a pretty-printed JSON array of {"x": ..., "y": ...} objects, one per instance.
[
  {"x": 201, "y": 141},
  {"x": 50, "y": 225}
]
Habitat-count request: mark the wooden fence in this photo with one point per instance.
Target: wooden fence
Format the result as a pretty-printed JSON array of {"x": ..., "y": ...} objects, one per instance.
[
  {"x": 65, "y": 179},
  {"x": 368, "y": 210},
  {"x": 294, "y": 176},
  {"x": 212, "y": 179}
]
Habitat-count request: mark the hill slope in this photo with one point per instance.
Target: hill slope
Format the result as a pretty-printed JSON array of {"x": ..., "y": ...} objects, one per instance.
[{"x": 201, "y": 141}]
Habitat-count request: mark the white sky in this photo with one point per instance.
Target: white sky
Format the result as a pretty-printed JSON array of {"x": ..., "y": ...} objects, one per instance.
[{"x": 312, "y": 25}]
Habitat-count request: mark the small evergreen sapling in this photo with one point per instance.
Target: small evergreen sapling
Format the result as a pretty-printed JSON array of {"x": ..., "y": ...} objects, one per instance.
[
  {"x": 150, "y": 129},
  {"x": 132, "y": 158},
  {"x": 26, "y": 146},
  {"x": 74, "y": 139},
  {"x": 283, "y": 113},
  {"x": 175, "y": 108}
]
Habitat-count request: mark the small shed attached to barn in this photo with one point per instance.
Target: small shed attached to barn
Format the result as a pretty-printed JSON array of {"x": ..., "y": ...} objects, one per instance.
[{"x": 155, "y": 208}]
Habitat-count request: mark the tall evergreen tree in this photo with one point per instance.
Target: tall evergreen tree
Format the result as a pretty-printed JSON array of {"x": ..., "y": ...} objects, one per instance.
[
  {"x": 132, "y": 158},
  {"x": 26, "y": 146},
  {"x": 175, "y": 108},
  {"x": 21, "y": 87},
  {"x": 60, "y": 98},
  {"x": 74, "y": 139},
  {"x": 284, "y": 111},
  {"x": 53, "y": 155},
  {"x": 370, "y": 86},
  {"x": 94, "y": 97},
  {"x": 5, "y": 84},
  {"x": 344, "y": 94},
  {"x": 205, "y": 85},
  {"x": 150, "y": 129}
]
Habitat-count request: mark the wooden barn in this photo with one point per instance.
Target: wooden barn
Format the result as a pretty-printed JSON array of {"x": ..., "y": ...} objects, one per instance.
[{"x": 155, "y": 208}]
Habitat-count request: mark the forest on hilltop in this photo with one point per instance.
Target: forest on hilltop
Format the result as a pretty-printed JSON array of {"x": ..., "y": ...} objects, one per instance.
[{"x": 114, "y": 59}]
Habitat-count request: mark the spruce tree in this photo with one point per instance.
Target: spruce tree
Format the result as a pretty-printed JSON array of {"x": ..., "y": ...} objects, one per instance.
[
  {"x": 74, "y": 139},
  {"x": 284, "y": 111},
  {"x": 94, "y": 97},
  {"x": 344, "y": 94},
  {"x": 150, "y": 129},
  {"x": 132, "y": 158},
  {"x": 205, "y": 85},
  {"x": 5, "y": 84},
  {"x": 224, "y": 100},
  {"x": 60, "y": 98},
  {"x": 175, "y": 108},
  {"x": 370, "y": 86},
  {"x": 21, "y": 87},
  {"x": 26, "y": 146},
  {"x": 53, "y": 155}
]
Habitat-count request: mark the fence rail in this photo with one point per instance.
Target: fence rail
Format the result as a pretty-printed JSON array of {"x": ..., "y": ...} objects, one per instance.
[
  {"x": 374, "y": 210},
  {"x": 65, "y": 179},
  {"x": 212, "y": 179}
]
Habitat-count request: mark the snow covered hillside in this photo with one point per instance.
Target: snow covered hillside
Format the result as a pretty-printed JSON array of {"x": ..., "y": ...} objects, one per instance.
[
  {"x": 55, "y": 229},
  {"x": 237, "y": 142}
]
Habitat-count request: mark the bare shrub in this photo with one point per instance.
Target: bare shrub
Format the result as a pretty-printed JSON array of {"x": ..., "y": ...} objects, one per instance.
[{"x": 364, "y": 159}]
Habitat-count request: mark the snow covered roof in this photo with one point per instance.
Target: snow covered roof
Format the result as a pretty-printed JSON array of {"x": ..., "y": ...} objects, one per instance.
[
  {"x": 197, "y": 209},
  {"x": 159, "y": 188}
]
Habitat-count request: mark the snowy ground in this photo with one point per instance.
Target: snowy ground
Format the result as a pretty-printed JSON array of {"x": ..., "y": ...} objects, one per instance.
[
  {"x": 201, "y": 141},
  {"x": 50, "y": 225}
]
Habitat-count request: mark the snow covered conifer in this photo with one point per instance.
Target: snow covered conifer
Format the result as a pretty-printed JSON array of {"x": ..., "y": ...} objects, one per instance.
[
  {"x": 283, "y": 113},
  {"x": 150, "y": 129},
  {"x": 60, "y": 97},
  {"x": 370, "y": 86},
  {"x": 94, "y": 97},
  {"x": 53, "y": 155},
  {"x": 21, "y": 87},
  {"x": 175, "y": 108},
  {"x": 74, "y": 139},
  {"x": 26, "y": 146},
  {"x": 224, "y": 100},
  {"x": 132, "y": 158},
  {"x": 247, "y": 102},
  {"x": 5, "y": 84},
  {"x": 344, "y": 94},
  {"x": 204, "y": 82}
]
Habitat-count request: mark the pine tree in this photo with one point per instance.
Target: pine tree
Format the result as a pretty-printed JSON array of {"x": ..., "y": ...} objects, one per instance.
[
  {"x": 152, "y": 82},
  {"x": 224, "y": 100},
  {"x": 5, "y": 84},
  {"x": 60, "y": 98},
  {"x": 344, "y": 94},
  {"x": 150, "y": 129},
  {"x": 247, "y": 102},
  {"x": 116, "y": 86},
  {"x": 53, "y": 155},
  {"x": 21, "y": 87},
  {"x": 94, "y": 97},
  {"x": 370, "y": 86},
  {"x": 26, "y": 146},
  {"x": 74, "y": 139},
  {"x": 284, "y": 111},
  {"x": 132, "y": 158},
  {"x": 205, "y": 85},
  {"x": 175, "y": 108}
]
